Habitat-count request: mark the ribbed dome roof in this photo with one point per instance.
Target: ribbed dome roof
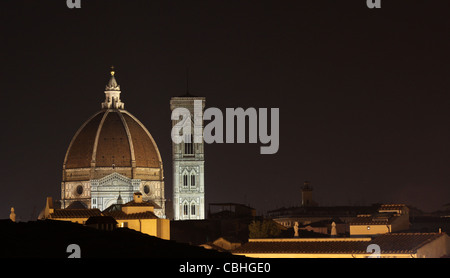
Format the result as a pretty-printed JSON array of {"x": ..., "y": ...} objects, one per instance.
[{"x": 115, "y": 138}]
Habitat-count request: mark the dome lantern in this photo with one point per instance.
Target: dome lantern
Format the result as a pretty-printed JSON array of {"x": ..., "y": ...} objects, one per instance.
[{"x": 112, "y": 94}]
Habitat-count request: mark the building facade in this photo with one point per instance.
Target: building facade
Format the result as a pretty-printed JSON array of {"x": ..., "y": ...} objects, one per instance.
[
  {"x": 136, "y": 214},
  {"x": 112, "y": 154},
  {"x": 390, "y": 218},
  {"x": 189, "y": 164}
]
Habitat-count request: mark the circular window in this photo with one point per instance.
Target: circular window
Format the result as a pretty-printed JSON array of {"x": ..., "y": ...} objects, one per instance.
[
  {"x": 79, "y": 189},
  {"x": 146, "y": 189}
]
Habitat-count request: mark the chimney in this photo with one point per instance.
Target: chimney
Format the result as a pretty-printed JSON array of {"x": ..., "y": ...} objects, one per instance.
[
  {"x": 49, "y": 207},
  {"x": 137, "y": 197}
]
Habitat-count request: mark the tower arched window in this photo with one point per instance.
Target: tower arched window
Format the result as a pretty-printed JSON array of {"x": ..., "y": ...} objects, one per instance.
[
  {"x": 185, "y": 210},
  {"x": 193, "y": 178},
  {"x": 185, "y": 180},
  {"x": 192, "y": 209}
]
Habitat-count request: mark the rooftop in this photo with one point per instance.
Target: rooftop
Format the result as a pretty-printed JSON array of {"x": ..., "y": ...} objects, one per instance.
[
  {"x": 147, "y": 203},
  {"x": 374, "y": 219},
  {"x": 75, "y": 213},
  {"x": 404, "y": 243},
  {"x": 120, "y": 215}
]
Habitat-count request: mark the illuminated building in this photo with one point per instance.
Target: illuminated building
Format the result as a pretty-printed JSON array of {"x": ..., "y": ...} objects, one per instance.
[
  {"x": 188, "y": 167},
  {"x": 136, "y": 214},
  {"x": 112, "y": 154},
  {"x": 389, "y": 219},
  {"x": 139, "y": 215}
]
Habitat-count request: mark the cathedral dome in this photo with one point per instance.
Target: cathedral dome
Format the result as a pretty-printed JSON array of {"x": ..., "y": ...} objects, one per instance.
[
  {"x": 112, "y": 138},
  {"x": 112, "y": 155}
]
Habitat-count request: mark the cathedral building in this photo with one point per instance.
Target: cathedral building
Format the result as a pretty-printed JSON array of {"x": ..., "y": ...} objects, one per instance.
[
  {"x": 189, "y": 165},
  {"x": 112, "y": 156}
]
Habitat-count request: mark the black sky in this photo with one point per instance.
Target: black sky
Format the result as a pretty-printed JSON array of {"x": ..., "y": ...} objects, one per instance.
[{"x": 363, "y": 94}]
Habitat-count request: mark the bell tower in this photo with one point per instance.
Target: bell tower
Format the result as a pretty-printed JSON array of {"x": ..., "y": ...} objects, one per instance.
[
  {"x": 189, "y": 163},
  {"x": 307, "y": 199}
]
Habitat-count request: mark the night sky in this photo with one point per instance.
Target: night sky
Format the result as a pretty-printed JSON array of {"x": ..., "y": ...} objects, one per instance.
[{"x": 364, "y": 94}]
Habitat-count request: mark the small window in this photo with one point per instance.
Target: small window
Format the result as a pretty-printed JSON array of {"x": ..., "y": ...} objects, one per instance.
[
  {"x": 192, "y": 209},
  {"x": 186, "y": 209},
  {"x": 79, "y": 189},
  {"x": 185, "y": 180},
  {"x": 146, "y": 189},
  {"x": 192, "y": 180}
]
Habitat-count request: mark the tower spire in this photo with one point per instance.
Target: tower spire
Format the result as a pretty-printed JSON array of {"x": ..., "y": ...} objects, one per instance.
[{"x": 112, "y": 93}]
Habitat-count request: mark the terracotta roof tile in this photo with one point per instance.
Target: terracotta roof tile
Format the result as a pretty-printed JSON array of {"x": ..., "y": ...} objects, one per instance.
[
  {"x": 389, "y": 243},
  {"x": 75, "y": 213},
  {"x": 303, "y": 247},
  {"x": 141, "y": 204},
  {"x": 404, "y": 242},
  {"x": 108, "y": 128},
  {"x": 377, "y": 219},
  {"x": 392, "y": 206}
]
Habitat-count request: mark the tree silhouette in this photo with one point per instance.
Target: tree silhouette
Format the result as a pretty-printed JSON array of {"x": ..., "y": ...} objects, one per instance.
[{"x": 264, "y": 229}]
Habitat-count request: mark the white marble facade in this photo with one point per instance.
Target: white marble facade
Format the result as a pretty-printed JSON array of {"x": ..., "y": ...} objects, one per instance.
[
  {"x": 104, "y": 192},
  {"x": 188, "y": 169}
]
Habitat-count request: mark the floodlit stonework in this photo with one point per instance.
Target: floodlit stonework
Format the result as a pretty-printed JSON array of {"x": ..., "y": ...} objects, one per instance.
[
  {"x": 188, "y": 167},
  {"x": 112, "y": 154}
]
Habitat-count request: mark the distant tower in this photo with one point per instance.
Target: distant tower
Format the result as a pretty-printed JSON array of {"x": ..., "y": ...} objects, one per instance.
[
  {"x": 307, "y": 199},
  {"x": 188, "y": 167}
]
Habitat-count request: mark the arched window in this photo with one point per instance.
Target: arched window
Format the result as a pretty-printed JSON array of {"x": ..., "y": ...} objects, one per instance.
[
  {"x": 185, "y": 180},
  {"x": 185, "y": 209},
  {"x": 192, "y": 209},
  {"x": 192, "y": 179}
]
